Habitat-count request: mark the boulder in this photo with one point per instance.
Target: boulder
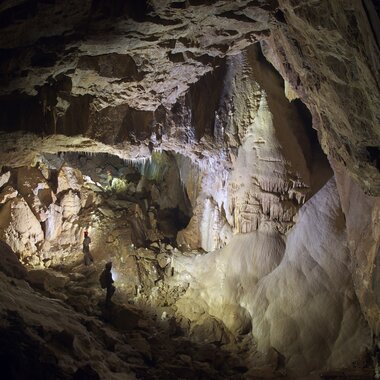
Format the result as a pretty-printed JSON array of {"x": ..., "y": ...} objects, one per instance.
[
  {"x": 8, "y": 193},
  {"x": 208, "y": 329},
  {"x": 69, "y": 179},
  {"x": 19, "y": 227},
  {"x": 4, "y": 178},
  {"x": 47, "y": 279},
  {"x": 9, "y": 263},
  {"x": 33, "y": 186},
  {"x": 163, "y": 260},
  {"x": 71, "y": 204},
  {"x": 122, "y": 318}
]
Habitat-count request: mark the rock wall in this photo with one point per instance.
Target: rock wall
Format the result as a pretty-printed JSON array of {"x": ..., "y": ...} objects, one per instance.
[
  {"x": 99, "y": 71},
  {"x": 296, "y": 294},
  {"x": 270, "y": 175},
  {"x": 183, "y": 77},
  {"x": 362, "y": 213},
  {"x": 267, "y": 162},
  {"x": 329, "y": 55},
  {"x": 39, "y": 213}
]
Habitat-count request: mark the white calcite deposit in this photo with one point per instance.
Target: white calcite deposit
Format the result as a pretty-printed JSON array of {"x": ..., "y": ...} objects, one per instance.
[
  {"x": 297, "y": 291},
  {"x": 189, "y": 139}
]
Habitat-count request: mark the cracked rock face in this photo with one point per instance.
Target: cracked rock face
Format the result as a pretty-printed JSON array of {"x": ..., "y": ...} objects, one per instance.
[
  {"x": 204, "y": 114},
  {"x": 114, "y": 73},
  {"x": 329, "y": 54}
]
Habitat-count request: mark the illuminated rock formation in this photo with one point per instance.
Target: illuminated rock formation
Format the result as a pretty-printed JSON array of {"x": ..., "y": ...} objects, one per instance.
[
  {"x": 298, "y": 293},
  {"x": 188, "y": 138}
]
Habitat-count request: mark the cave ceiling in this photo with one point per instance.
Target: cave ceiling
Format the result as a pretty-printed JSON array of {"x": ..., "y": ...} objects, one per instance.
[
  {"x": 108, "y": 74},
  {"x": 223, "y": 154}
]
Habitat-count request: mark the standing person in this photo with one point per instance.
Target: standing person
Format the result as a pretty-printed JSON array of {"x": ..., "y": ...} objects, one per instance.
[
  {"x": 106, "y": 282},
  {"x": 88, "y": 259},
  {"x": 109, "y": 178}
]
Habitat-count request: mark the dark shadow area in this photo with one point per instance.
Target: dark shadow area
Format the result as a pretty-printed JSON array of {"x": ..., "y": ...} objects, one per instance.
[
  {"x": 25, "y": 358},
  {"x": 373, "y": 153},
  {"x": 22, "y": 11},
  {"x": 136, "y": 10},
  {"x": 12, "y": 119}
]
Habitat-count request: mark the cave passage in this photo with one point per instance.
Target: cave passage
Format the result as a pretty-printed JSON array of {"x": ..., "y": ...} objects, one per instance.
[
  {"x": 152, "y": 185},
  {"x": 132, "y": 211},
  {"x": 223, "y": 155}
]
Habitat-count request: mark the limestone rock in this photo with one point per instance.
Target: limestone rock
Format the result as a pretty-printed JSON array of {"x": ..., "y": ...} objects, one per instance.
[
  {"x": 182, "y": 93},
  {"x": 260, "y": 276},
  {"x": 155, "y": 245},
  {"x": 4, "y": 178},
  {"x": 71, "y": 204},
  {"x": 261, "y": 191},
  {"x": 362, "y": 213},
  {"x": 123, "y": 318},
  {"x": 69, "y": 344},
  {"x": 210, "y": 330},
  {"x": 106, "y": 212},
  {"x": 190, "y": 235},
  {"x": 46, "y": 280},
  {"x": 9, "y": 264},
  {"x": 70, "y": 233},
  {"x": 136, "y": 88},
  {"x": 36, "y": 191},
  {"x": 89, "y": 198},
  {"x": 8, "y": 193},
  {"x": 237, "y": 319},
  {"x": 53, "y": 223},
  {"x": 19, "y": 228},
  {"x": 163, "y": 260},
  {"x": 311, "y": 261},
  {"x": 69, "y": 179},
  {"x": 325, "y": 75},
  {"x": 146, "y": 253}
]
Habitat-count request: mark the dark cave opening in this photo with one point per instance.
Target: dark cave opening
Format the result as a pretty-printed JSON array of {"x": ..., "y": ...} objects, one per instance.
[{"x": 373, "y": 153}]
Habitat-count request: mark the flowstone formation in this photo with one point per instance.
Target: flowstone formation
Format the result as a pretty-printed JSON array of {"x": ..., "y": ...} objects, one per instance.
[{"x": 189, "y": 139}]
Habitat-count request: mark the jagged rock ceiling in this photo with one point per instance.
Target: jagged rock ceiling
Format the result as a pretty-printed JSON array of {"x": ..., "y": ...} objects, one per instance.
[
  {"x": 115, "y": 71},
  {"x": 222, "y": 95}
]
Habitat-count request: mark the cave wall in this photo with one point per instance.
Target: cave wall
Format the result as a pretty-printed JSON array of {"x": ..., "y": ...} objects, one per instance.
[
  {"x": 296, "y": 294},
  {"x": 105, "y": 74},
  {"x": 362, "y": 219},
  {"x": 270, "y": 164},
  {"x": 329, "y": 56},
  {"x": 129, "y": 80},
  {"x": 328, "y": 53}
]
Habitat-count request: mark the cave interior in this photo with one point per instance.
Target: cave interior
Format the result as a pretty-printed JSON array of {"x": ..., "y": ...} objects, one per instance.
[{"x": 223, "y": 155}]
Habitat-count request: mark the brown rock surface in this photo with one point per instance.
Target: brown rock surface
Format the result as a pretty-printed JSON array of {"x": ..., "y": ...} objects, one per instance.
[
  {"x": 118, "y": 77},
  {"x": 209, "y": 147},
  {"x": 329, "y": 54}
]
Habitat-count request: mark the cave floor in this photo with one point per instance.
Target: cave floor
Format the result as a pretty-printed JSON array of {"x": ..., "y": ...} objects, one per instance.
[
  {"x": 159, "y": 347},
  {"x": 143, "y": 328}
]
